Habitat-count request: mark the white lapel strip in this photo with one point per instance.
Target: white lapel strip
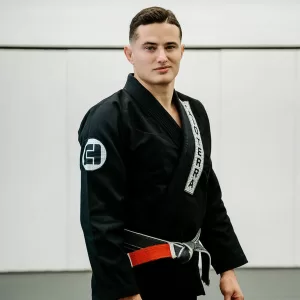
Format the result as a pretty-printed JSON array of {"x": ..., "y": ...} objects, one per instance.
[{"x": 198, "y": 161}]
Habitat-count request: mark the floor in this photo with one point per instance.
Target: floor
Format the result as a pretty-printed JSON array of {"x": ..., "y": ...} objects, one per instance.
[{"x": 257, "y": 284}]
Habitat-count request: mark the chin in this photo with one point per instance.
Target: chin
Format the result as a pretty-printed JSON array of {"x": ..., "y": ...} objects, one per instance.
[
  {"x": 163, "y": 82},
  {"x": 163, "y": 79}
]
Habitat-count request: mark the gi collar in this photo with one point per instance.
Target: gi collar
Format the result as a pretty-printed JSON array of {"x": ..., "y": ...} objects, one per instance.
[{"x": 152, "y": 106}]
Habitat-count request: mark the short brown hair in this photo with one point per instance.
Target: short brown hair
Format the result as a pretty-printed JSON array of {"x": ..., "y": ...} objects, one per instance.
[{"x": 152, "y": 15}]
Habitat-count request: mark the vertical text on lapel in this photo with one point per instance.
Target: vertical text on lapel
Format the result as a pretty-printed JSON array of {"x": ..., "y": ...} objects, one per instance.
[{"x": 198, "y": 160}]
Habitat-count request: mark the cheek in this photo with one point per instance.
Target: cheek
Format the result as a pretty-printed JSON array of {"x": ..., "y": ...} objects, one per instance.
[
  {"x": 178, "y": 57},
  {"x": 140, "y": 60},
  {"x": 146, "y": 63},
  {"x": 175, "y": 58},
  {"x": 178, "y": 60}
]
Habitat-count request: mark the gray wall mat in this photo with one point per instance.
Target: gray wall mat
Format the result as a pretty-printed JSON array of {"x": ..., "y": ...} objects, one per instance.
[{"x": 257, "y": 284}]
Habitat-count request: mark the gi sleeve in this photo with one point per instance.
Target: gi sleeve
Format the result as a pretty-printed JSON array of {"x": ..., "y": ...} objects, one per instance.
[
  {"x": 103, "y": 179},
  {"x": 218, "y": 235}
]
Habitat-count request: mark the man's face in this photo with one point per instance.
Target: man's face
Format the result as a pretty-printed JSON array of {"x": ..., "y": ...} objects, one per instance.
[{"x": 156, "y": 53}]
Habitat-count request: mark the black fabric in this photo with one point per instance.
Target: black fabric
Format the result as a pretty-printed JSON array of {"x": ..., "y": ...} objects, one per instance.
[
  {"x": 140, "y": 186},
  {"x": 171, "y": 276},
  {"x": 168, "y": 295}
]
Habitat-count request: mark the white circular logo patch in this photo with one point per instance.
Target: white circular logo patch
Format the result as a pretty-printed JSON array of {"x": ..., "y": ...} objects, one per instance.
[{"x": 94, "y": 155}]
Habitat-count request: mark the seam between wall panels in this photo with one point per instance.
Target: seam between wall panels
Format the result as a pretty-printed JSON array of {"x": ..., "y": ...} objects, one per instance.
[
  {"x": 67, "y": 157},
  {"x": 294, "y": 106},
  {"x": 220, "y": 111},
  {"x": 296, "y": 223},
  {"x": 297, "y": 133},
  {"x": 294, "y": 161}
]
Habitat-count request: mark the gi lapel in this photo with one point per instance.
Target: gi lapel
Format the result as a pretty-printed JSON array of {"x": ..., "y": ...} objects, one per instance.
[
  {"x": 185, "y": 198},
  {"x": 191, "y": 162},
  {"x": 198, "y": 160},
  {"x": 151, "y": 107}
]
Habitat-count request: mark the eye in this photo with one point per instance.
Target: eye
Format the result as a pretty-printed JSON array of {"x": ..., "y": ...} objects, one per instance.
[
  {"x": 150, "y": 48},
  {"x": 170, "y": 47}
]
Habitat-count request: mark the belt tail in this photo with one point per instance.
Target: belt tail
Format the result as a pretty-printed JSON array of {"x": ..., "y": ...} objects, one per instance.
[
  {"x": 205, "y": 267},
  {"x": 206, "y": 263}
]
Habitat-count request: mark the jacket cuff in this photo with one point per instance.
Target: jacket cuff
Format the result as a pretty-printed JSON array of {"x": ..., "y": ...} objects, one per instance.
[{"x": 230, "y": 263}]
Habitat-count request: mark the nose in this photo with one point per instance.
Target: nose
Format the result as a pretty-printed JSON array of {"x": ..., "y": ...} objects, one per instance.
[{"x": 162, "y": 57}]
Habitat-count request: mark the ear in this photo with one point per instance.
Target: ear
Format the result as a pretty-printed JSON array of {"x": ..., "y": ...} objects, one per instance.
[
  {"x": 182, "y": 49},
  {"x": 128, "y": 53}
]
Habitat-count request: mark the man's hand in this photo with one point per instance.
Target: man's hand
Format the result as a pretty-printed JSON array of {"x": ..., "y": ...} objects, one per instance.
[
  {"x": 230, "y": 287},
  {"x": 135, "y": 297}
]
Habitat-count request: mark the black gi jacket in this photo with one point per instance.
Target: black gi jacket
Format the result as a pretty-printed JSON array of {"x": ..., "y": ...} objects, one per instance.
[{"x": 141, "y": 171}]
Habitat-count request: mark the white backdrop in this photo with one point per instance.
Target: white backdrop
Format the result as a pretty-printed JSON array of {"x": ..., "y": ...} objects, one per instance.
[
  {"x": 106, "y": 23},
  {"x": 252, "y": 98}
]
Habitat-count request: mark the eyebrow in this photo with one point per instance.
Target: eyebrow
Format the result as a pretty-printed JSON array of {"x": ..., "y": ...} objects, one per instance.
[{"x": 155, "y": 44}]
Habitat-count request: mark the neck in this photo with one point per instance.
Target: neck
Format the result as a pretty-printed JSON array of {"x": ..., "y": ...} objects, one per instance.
[{"x": 162, "y": 93}]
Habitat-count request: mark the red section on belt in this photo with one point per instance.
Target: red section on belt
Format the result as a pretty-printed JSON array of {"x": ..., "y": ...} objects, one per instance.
[{"x": 151, "y": 253}]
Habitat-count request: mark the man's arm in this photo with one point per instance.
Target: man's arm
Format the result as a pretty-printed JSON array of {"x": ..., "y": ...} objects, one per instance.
[
  {"x": 219, "y": 238},
  {"x": 218, "y": 235},
  {"x": 103, "y": 178}
]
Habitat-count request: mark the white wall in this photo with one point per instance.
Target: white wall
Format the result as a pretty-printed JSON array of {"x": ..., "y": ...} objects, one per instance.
[
  {"x": 106, "y": 23},
  {"x": 252, "y": 97},
  {"x": 258, "y": 150},
  {"x": 34, "y": 169}
]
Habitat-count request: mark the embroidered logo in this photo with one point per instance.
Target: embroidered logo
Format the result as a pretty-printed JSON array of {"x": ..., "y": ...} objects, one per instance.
[
  {"x": 94, "y": 155},
  {"x": 198, "y": 161}
]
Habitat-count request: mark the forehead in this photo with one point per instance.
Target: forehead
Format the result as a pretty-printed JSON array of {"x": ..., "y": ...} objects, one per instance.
[{"x": 158, "y": 32}]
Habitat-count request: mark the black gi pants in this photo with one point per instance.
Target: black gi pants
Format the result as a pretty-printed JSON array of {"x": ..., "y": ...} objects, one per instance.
[
  {"x": 169, "y": 280},
  {"x": 160, "y": 296}
]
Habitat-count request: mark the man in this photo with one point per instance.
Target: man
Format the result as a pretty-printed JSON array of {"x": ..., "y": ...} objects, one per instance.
[{"x": 146, "y": 168}]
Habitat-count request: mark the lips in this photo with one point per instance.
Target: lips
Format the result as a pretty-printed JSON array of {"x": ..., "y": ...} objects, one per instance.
[{"x": 163, "y": 68}]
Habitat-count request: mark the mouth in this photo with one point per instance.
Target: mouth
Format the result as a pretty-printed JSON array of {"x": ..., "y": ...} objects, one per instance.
[{"x": 163, "y": 68}]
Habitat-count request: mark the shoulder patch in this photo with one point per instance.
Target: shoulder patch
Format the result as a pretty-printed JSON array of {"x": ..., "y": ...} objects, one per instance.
[{"x": 94, "y": 155}]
